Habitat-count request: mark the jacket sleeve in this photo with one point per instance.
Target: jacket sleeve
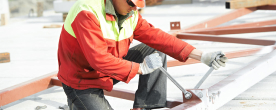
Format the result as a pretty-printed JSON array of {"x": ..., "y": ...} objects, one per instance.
[
  {"x": 162, "y": 41},
  {"x": 90, "y": 38}
]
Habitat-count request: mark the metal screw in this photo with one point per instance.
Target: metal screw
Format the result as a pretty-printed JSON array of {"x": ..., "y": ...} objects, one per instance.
[{"x": 199, "y": 95}]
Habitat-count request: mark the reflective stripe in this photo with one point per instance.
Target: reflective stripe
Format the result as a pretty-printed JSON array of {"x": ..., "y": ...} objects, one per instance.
[{"x": 109, "y": 29}]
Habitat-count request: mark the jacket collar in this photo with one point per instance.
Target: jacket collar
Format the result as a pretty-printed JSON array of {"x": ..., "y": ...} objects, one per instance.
[{"x": 111, "y": 13}]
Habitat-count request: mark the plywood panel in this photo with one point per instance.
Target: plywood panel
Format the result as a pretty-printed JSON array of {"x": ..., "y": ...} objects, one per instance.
[
  {"x": 4, "y": 19},
  {"x": 236, "y": 4},
  {"x": 4, "y": 57}
]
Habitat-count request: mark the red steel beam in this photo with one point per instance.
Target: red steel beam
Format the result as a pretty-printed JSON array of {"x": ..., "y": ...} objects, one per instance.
[
  {"x": 267, "y": 7},
  {"x": 254, "y": 24},
  {"x": 130, "y": 95},
  {"x": 222, "y": 19},
  {"x": 235, "y": 30},
  {"x": 25, "y": 89},
  {"x": 189, "y": 104},
  {"x": 185, "y": 106},
  {"x": 172, "y": 63},
  {"x": 224, "y": 39},
  {"x": 229, "y": 55},
  {"x": 44, "y": 82},
  {"x": 55, "y": 81},
  {"x": 119, "y": 93}
]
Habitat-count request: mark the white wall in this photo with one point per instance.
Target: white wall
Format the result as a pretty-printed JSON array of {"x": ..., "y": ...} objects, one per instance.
[{"x": 4, "y": 8}]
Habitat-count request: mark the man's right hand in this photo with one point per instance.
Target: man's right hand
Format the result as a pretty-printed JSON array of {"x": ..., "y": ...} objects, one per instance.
[
  {"x": 214, "y": 59},
  {"x": 151, "y": 63}
]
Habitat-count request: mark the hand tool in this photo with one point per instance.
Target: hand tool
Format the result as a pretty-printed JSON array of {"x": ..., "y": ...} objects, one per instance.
[
  {"x": 206, "y": 75},
  {"x": 187, "y": 94},
  {"x": 204, "y": 78}
]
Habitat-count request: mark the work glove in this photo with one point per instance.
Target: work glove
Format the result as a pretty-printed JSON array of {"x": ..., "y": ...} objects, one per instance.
[
  {"x": 151, "y": 63},
  {"x": 214, "y": 59}
]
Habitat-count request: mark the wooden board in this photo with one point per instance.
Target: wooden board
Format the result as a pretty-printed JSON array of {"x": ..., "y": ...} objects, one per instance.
[
  {"x": 53, "y": 26},
  {"x": 39, "y": 9},
  {"x": 4, "y": 57},
  {"x": 4, "y": 19},
  {"x": 236, "y": 4}
]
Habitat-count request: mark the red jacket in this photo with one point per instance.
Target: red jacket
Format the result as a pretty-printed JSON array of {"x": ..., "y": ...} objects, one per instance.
[{"x": 90, "y": 61}]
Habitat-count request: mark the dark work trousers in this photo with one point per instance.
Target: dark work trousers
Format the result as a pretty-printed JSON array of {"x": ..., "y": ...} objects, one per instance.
[{"x": 151, "y": 92}]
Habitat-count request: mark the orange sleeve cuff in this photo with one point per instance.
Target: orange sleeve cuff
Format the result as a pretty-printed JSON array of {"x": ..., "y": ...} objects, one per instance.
[
  {"x": 133, "y": 71},
  {"x": 186, "y": 52}
]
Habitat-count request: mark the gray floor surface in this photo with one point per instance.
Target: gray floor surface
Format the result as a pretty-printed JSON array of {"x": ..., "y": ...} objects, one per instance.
[{"x": 33, "y": 51}]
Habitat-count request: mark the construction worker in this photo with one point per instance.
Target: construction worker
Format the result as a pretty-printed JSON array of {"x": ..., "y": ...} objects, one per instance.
[{"x": 94, "y": 54}]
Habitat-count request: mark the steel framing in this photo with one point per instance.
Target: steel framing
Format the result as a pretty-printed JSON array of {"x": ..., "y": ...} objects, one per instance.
[
  {"x": 237, "y": 30},
  {"x": 213, "y": 97},
  {"x": 225, "y": 39},
  {"x": 28, "y": 88},
  {"x": 222, "y": 92},
  {"x": 254, "y": 24},
  {"x": 222, "y": 19}
]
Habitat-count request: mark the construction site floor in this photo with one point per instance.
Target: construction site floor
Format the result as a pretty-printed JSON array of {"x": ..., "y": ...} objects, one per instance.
[{"x": 33, "y": 53}]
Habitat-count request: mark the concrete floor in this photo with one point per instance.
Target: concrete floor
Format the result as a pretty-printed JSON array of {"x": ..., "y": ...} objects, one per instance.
[{"x": 33, "y": 51}]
